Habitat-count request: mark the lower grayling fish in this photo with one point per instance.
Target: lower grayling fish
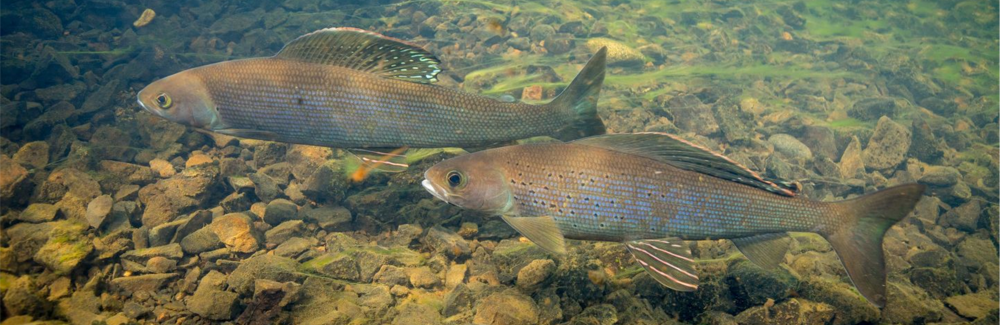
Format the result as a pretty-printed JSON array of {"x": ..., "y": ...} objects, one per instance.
[
  {"x": 350, "y": 88},
  {"x": 650, "y": 191}
]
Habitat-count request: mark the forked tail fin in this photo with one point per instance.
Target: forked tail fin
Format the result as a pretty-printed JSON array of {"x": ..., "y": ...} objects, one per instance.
[
  {"x": 580, "y": 99},
  {"x": 858, "y": 241}
]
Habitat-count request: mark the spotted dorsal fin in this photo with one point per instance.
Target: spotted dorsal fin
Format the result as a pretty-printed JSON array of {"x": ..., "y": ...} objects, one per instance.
[
  {"x": 364, "y": 51},
  {"x": 688, "y": 156}
]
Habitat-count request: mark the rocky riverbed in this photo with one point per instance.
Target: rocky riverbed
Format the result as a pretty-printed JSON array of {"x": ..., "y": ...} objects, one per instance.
[{"x": 114, "y": 216}]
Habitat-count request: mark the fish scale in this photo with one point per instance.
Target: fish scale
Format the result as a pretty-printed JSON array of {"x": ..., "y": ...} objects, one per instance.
[
  {"x": 597, "y": 194},
  {"x": 301, "y": 101}
]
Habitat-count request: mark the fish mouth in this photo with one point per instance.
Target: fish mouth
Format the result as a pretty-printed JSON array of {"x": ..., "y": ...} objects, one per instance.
[
  {"x": 138, "y": 98},
  {"x": 434, "y": 190}
]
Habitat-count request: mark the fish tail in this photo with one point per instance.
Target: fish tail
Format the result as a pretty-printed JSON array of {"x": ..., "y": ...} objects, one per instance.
[
  {"x": 858, "y": 241},
  {"x": 580, "y": 99}
]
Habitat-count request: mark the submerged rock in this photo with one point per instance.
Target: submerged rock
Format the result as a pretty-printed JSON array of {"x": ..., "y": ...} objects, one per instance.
[
  {"x": 972, "y": 306},
  {"x": 67, "y": 246},
  {"x": 15, "y": 185},
  {"x": 211, "y": 300},
  {"x": 790, "y": 147},
  {"x": 618, "y": 52},
  {"x": 507, "y": 307},
  {"x": 888, "y": 145},
  {"x": 237, "y": 232}
]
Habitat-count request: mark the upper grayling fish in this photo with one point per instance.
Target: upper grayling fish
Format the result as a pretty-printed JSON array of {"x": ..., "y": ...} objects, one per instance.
[
  {"x": 350, "y": 88},
  {"x": 651, "y": 191}
]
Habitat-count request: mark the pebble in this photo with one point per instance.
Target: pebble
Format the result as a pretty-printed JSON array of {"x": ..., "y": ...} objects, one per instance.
[{"x": 162, "y": 168}]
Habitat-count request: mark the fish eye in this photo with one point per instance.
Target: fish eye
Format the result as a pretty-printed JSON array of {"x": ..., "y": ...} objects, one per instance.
[
  {"x": 164, "y": 101},
  {"x": 456, "y": 179}
]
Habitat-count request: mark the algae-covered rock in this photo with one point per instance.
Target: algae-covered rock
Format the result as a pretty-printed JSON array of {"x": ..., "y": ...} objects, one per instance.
[
  {"x": 270, "y": 267},
  {"x": 873, "y": 108},
  {"x": 507, "y": 307},
  {"x": 793, "y": 311},
  {"x": 618, "y": 52},
  {"x": 749, "y": 285},
  {"x": 67, "y": 246},
  {"x": 906, "y": 304},
  {"x": 531, "y": 275},
  {"x": 851, "y": 161},
  {"x": 33, "y": 154},
  {"x": 848, "y": 304},
  {"x": 38, "y": 212},
  {"x": 888, "y": 145},
  {"x": 973, "y": 306},
  {"x": 22, "y": 297},
  {"x": 602, "y": 314}
]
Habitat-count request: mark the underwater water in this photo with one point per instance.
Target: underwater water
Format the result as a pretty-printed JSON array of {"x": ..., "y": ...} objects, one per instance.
[{"x": 114, "y": 215}]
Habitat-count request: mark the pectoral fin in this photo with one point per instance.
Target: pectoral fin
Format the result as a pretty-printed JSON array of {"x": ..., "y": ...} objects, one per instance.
[
  {"x": 543, "y": 231},
  {"x": 667, "y": 260},
  {"x": 766, "y": 250}
]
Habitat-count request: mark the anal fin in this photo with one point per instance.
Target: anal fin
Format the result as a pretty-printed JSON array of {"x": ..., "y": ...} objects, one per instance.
[
  {"x": 543, "y": 231},
  {"x": 667, "y": 260},
  {"x": 765, "y": 250}
]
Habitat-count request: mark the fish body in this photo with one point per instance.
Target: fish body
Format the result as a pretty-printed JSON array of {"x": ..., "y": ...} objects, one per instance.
[
  {"x": 651, "y": 191},
  {"x": 349, "y": 88}
]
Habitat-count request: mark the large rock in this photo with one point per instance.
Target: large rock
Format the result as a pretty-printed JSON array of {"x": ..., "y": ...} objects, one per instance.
[
  {"x": 507, "y": 307},
  {"x": 447, "y": 243},
  {"x": 98, "y": 209},
  {"x": 965, "y": 217},
  {"x": 888, "y": 145},
  {"x": 38, "y": 212},
  {"x": 870, "y": 109},
  {"x": 69, "y": 181},
  {"x": 972, "y": 306},
  {"x": 601, "y": 314},
  {"x": 211, "y": 300},
  {"x": 269, "y": 267},
  {"x": 237, "y": 232},
  {"x": 790, "y": 147},
  {"x": 15, "y": 186},
  {"x": 848, "y": 304},
  {"x": 280, "y": 210},
  {"x": 68, "y": 244},
  {"x": 750, "y": 285},
  {"x": 690, "y": 114},
  {"x": 180, "y": 194},
  {"x": 415, "y": 313},
  {"x": 534, "y": 273},
  {"x": 286, "y": 230},
  {"x": 330, "y": 218},
  {"x": 142, "y": 283},
  {"x": 23, "y": 297},
  {"x": 793, "y": 311},
  {"x": 851, "y": 161},
  {"x": 33, "y": 154},
  {"x": 940, "y": 176}
]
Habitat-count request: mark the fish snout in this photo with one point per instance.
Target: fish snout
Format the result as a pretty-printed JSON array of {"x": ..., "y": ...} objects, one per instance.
[{"x": 435, "y": 191}]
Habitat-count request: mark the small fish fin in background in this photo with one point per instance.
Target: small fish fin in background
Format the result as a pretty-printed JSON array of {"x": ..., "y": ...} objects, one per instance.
[
  {"x": 580, "y": 98},
  {"x": 858, "y": 241},
  {"x": 686, "y": 155},
  {"x": 667, "y": 260},
  {"x": 765, "y": 250},
  {"x": 543, "y": 231},
  {"x": 390, "y": 161},
  {"x": 364, "y": 51}
]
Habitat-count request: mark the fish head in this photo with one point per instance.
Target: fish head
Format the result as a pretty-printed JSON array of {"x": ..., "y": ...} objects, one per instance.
[
  {"x": 472, "y": 182},
  {"x": 181, "y": 98}
]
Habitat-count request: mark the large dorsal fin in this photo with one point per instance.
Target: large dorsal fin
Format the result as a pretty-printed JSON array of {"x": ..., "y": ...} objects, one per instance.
[
  {"x": 365, "y": 51},
  {"x": 686, "y": 155}
]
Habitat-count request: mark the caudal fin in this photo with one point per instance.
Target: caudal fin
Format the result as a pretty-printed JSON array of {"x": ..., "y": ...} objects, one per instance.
[
  {"x": 858, "y": 241},
  {"x": 580, "y": 99}
]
